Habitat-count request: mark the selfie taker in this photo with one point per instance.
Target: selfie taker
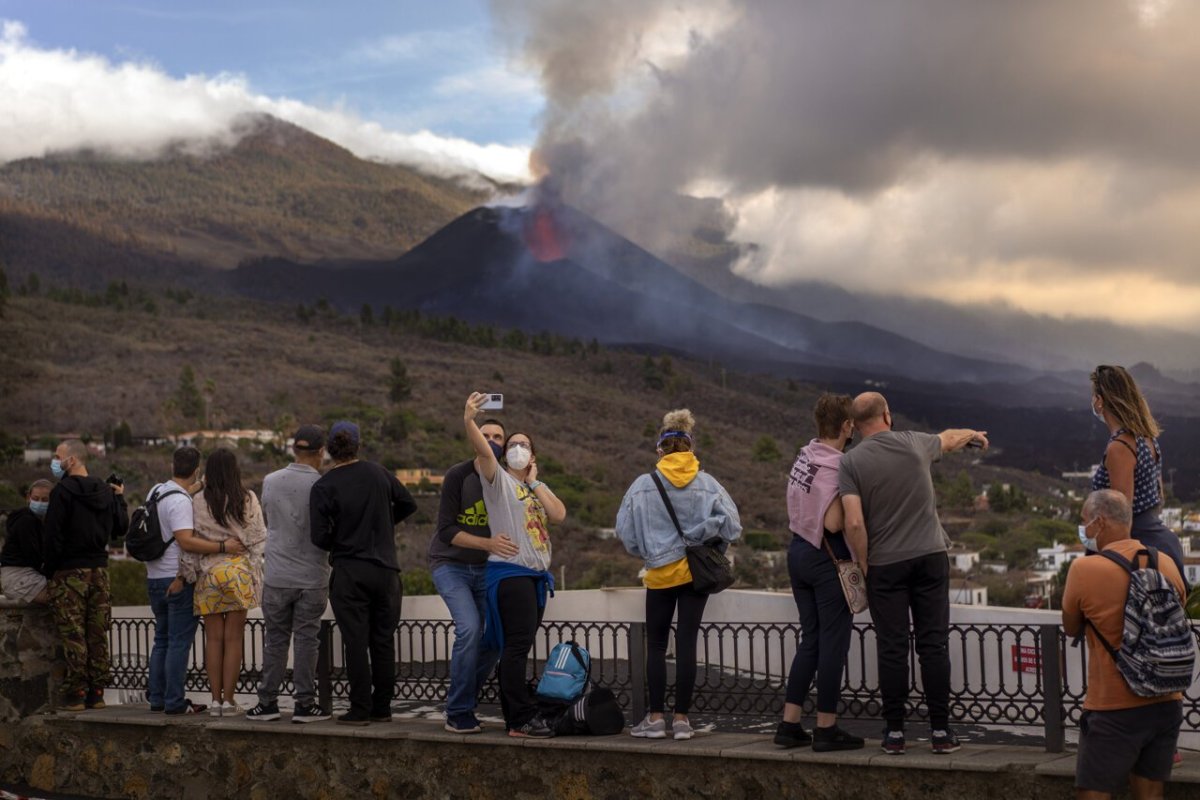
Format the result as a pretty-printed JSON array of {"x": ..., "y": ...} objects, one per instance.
[{"x": 519, "y": 507}]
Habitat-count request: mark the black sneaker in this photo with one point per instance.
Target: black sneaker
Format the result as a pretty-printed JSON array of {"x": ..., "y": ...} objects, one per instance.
[
  {"x": 381, "y": 715},
  {"x": 156, "y": 709},
  {"x": 944, "y": 741},
  {"x": 312, "y": 713},
  {"x": 536, "y": 728},
  {"x": 95, "y": 699},
  {"x": 792, "y": 734},
  {"x": 352, "y": 718},
  {"x": 188, "y": 707},
  {"x": 832, "y": 738},
  {"x": 263, "y": 712},
  {"x": 893, "y": 743},
  {"x": 463, "y": 723}
]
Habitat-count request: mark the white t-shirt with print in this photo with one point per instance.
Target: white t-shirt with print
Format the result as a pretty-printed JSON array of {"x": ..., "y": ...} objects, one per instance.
[{"x": 513, "y": 510}]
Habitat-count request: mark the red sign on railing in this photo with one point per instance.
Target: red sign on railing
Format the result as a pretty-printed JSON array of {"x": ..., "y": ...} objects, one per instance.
[{"x": 1026, "y": 658}]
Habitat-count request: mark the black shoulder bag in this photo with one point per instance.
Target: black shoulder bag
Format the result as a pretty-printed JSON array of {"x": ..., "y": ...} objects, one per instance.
[{"x": 711, "y": 570}]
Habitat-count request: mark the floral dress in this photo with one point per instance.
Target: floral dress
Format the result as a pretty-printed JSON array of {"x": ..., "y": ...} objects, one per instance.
[{"x": 224, "y": 581}]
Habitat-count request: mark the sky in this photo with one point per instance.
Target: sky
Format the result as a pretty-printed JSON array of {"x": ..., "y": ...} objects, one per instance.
[
  {"x": 404, "y": 67},
  {"x": 1041, "y": 156}
]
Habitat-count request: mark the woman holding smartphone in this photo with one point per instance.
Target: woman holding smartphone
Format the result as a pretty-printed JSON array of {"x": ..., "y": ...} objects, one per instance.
[{"x": 520, "y": 507}]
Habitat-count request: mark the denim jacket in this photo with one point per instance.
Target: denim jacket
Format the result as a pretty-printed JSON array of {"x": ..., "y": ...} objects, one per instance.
[{"x": 704, "y": 509}]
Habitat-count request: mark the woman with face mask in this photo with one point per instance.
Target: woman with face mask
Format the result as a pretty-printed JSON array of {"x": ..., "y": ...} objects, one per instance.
[
  {"x": 816, "y": 518},
  {"x": 520, "y": 507},
  {"x": 21, "y": 567},
  {"x": 228, "y": 582},
  {"x": 1132, "y": 462},
  {"x": 706, "y": 514}
]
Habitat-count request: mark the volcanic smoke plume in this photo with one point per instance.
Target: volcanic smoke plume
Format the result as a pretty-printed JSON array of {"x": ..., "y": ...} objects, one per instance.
[{"x": 1031, "y": 152}]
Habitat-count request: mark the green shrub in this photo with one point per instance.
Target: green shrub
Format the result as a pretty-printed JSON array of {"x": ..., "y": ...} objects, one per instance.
[{"x": 127, "y": 583}]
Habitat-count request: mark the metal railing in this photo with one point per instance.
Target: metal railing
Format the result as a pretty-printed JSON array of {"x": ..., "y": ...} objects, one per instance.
[{"x": 1002, "y": 674}]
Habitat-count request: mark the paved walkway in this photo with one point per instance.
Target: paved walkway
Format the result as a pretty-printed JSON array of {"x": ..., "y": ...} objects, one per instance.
[{"x": 739, "y": 746}]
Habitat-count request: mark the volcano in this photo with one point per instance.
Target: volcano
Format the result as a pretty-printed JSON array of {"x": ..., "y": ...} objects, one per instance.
[{"x": 554, "y": 268}]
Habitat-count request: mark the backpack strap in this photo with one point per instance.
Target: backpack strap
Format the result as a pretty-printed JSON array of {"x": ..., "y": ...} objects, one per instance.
[{"x": 662, "y": 491}]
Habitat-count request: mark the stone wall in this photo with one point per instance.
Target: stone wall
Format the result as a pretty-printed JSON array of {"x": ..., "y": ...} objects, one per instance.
[
  {"x": 99, "y": 755},
  {"x": 30, "y": 669}
]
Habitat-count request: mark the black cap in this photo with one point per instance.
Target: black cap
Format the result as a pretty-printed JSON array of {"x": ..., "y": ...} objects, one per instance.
[{"x": 309, "y": 437}]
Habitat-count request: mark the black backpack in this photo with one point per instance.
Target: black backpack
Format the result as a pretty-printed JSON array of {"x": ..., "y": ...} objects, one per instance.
[{"x": 144, "y": 540}]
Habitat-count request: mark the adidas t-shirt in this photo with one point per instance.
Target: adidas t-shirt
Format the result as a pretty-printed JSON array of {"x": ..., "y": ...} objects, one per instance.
[{"x": 461, "y": 509}]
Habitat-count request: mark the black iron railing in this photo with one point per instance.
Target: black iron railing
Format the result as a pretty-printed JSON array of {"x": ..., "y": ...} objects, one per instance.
[{"x": 1002, "y": 674}]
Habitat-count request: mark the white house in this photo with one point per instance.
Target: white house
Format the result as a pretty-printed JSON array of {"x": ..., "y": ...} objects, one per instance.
[
  {"x": 1051, "y": 559},
  {"x": 1173, "y": 518},
  {"x": 998, "y": 567},
  {"x": 962, "y": 559},
  {"x": 967, "y": 593},
  {"x": 1191, "y": 569}
]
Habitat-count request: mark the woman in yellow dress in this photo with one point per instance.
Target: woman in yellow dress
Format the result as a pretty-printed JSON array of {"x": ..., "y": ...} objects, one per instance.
[{"x": 227, "y": 584}]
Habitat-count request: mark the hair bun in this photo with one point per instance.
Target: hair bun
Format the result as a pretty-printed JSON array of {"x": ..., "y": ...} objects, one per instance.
[{"x": 679, "y": 420}]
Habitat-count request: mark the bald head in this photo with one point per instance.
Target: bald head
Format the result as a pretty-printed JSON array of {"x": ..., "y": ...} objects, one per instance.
[{"x": 870, "y": 413}]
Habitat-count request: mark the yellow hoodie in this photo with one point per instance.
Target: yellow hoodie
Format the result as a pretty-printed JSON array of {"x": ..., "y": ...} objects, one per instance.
[{"x": 680, "y": 469}]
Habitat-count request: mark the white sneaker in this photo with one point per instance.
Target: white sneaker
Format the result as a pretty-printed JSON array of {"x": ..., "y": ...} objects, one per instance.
[
  {"x": 682, "y": 729},
  {"x": 229, "y": 709},
  {"x": 214, "y": 710},
  {"x": 650, "y": 730}
]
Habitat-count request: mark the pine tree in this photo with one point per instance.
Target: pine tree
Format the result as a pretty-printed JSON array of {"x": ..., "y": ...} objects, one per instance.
[{"x": 399, "y": 384}]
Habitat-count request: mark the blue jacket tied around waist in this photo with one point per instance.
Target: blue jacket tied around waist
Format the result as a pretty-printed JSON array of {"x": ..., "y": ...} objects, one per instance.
[{"x": 493, "y": 630}]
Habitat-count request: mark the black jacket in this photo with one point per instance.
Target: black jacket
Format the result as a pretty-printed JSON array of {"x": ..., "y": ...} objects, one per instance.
[
  {"x": 84, "y": 516},
  {"x": 354, "y": 510},
  {"x": 23, "y": 541}
]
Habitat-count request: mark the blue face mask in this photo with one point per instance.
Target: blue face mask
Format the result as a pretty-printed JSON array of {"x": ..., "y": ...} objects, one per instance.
[
  {"x": 1089, "y": 543},
  {"x": 56, "y": 469},
  {"x": 497, "y": 450},
  {"x": 39, "y": 507}
]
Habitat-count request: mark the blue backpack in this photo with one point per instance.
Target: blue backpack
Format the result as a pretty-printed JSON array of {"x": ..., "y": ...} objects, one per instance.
[{"x": 566, "y": 674}]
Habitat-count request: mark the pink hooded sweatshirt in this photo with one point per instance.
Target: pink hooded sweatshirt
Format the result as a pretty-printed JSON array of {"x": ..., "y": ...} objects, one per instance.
[{"x": 812, "y": 486}]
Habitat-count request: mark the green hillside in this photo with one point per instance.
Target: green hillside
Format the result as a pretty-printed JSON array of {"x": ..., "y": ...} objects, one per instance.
[{"x": 93, "y": 364}]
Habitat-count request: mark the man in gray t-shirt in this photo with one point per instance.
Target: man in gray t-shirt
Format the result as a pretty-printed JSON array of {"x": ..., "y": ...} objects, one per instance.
[
  {"x": 893, "y": 526},
  {"x": 295, "y": 583}
]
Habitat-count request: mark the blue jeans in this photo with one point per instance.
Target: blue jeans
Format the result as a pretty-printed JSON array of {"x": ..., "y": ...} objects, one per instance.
[
  {"x": 174, "y": 630},
  {"x": 463, "y": 589}
]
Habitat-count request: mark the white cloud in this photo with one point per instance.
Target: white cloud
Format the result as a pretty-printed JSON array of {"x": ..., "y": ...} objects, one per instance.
[{"x": 64, "y": 100}]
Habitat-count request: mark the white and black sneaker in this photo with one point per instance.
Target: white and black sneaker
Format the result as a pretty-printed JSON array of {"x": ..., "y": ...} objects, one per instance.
[
  {"x": 263, "y": 712},
  {"x": 312, "y": 713}
]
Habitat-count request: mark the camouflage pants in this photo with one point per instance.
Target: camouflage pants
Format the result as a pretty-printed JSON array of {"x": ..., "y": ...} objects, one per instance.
[{"x": 83, "y": 613}]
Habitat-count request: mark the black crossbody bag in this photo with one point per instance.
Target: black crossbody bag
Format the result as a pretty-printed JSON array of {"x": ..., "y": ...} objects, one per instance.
[{"x": 711, "y": 570}]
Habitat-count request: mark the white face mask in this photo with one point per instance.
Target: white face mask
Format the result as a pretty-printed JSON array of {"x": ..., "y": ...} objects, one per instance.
[
  {"x": 518, "y": 456},
  {"x": 1098, "y": 414},
  {"x": 1089, "y": 543}
]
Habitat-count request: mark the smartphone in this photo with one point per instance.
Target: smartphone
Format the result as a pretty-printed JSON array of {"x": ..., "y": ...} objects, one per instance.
[
  {"x": 494, "y": 402},
  {"x": 975, "y": 443}
]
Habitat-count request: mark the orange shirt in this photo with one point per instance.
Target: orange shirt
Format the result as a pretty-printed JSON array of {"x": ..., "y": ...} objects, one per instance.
[{"x": 1096, "y": 589}]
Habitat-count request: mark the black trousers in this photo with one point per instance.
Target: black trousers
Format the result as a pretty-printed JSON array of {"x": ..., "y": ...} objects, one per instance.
[
  {"x": 922, "y": 586},
  {"x": 366, "y": 604},
  {"x": 519, "y": 619},
  {"x": 660, "y": 608},
  {"x": 825, "y": 625}
]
